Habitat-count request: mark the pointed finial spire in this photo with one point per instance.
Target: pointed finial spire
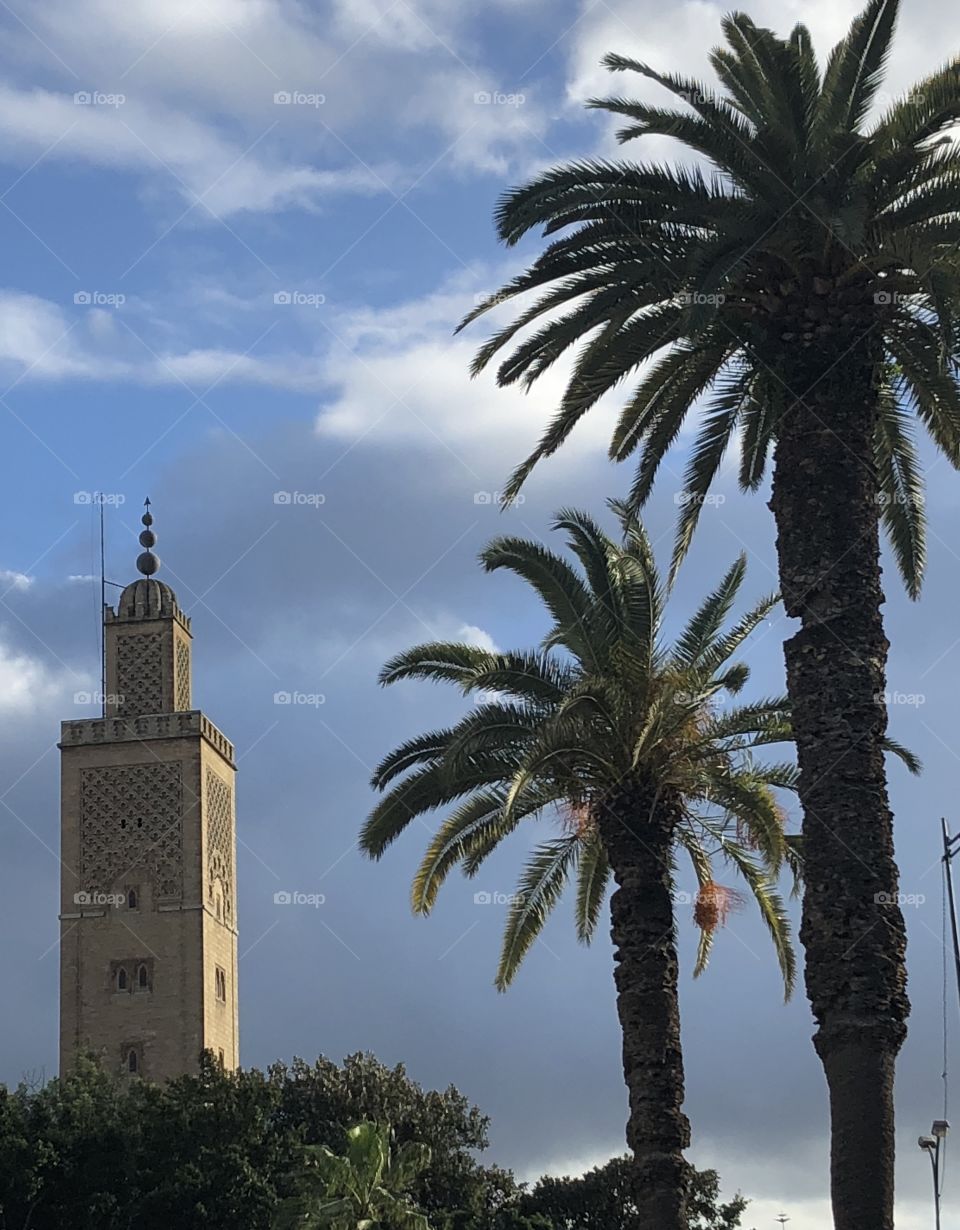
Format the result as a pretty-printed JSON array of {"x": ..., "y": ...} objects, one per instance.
[{"x": 147, "y": 562}]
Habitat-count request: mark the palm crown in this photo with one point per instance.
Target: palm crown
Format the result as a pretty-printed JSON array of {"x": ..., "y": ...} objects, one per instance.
[
  {"x": 804, "y": 229},
  {"x": 556, "y": 731}
]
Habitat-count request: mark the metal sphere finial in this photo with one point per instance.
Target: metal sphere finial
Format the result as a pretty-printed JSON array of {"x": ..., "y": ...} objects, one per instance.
[{"x": 147, "y": 562}]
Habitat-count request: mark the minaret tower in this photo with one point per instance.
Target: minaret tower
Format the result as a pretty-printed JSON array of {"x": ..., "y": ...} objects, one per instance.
[{"x": 148, "y": 909}]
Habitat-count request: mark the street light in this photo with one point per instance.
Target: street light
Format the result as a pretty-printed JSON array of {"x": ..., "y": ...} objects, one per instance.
[{"x": 931, "y": 1146}]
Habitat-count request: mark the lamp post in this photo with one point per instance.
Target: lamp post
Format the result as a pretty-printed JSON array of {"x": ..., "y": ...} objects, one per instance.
[{"x": 931, "y": 1146}]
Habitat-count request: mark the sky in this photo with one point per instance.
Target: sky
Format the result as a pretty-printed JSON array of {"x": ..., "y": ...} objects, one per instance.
[{"x": 237, "y": 237}]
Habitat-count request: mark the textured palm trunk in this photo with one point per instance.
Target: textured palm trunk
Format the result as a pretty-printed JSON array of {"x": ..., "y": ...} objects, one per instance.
[
  {"x": 638, "y": 839},
  {"x": 826, "y": 506}
]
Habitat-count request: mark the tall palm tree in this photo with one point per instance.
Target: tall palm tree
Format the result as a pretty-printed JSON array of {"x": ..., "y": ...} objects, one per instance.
[
  {"x": 623, "y": 743},
  {"x": 363, "y": 1189},
  {"x": 800, "y": 285}
]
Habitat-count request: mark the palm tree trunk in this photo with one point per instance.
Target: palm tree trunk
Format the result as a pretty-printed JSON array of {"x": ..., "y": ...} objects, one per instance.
[
  {"x": 638, "y": 838},
  {"x": 826, "y": 506}
]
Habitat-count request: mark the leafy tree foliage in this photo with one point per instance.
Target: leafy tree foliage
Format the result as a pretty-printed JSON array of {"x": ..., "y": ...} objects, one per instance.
[
  {"x": 604, "y": 1199},
  {"x": 217, "y": 1150}
]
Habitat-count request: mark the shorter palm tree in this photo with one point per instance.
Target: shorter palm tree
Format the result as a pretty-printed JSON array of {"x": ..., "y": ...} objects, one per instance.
[
  {"x": 363, "y": 1190},
  {"x": 627, "y": 744}
]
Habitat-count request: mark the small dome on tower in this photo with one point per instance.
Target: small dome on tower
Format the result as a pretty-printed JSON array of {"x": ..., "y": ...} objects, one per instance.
[{"x": 146, "y": 599}]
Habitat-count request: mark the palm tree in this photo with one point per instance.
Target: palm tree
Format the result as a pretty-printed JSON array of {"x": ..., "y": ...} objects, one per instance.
[
  {"x": 362, "y": 1190},
  {"x": 799, "y": 285},
  {"x": 625, "y": 744}
]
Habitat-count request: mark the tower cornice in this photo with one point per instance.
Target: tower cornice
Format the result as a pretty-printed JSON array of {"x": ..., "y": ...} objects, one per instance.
[{"x": 87, "y": 732}]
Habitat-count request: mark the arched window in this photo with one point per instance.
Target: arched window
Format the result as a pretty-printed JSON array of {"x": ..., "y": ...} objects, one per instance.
[
  {"x": 122, "y": 983},
  {"x": 143, "y": 981},
  {"x": 133, "y": 900},
  {"x": 220, "y": 984},
  {"x": 133, "y": 1061}
]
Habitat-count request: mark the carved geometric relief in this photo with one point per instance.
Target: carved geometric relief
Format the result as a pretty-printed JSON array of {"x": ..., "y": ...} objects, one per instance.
[
  {"x": 219, "y": 813},
  {"x": 131, "y": 820},
  {"x": 140, "y": 674},
  {"x": 182, "y": 677}
]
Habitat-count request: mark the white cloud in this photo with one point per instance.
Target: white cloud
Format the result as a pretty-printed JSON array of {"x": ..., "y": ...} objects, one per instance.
[
  {"x": 14, "y": 580},
  {"x": 29, "y": 686},
  {"x": 189, "y": 157},
  {"x": 470, "y": 634},
  {"x": 40, "y": 341},
  {"x": 400, "y": 377},
  {"x": 197, "y": 86}
]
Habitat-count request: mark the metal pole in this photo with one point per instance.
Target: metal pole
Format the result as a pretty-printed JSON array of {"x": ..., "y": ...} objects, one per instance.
[
  {"x": 935, "y": 1163},
  {"x": 948, "y": 867},
  {"x": 103, "y": 627}
]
